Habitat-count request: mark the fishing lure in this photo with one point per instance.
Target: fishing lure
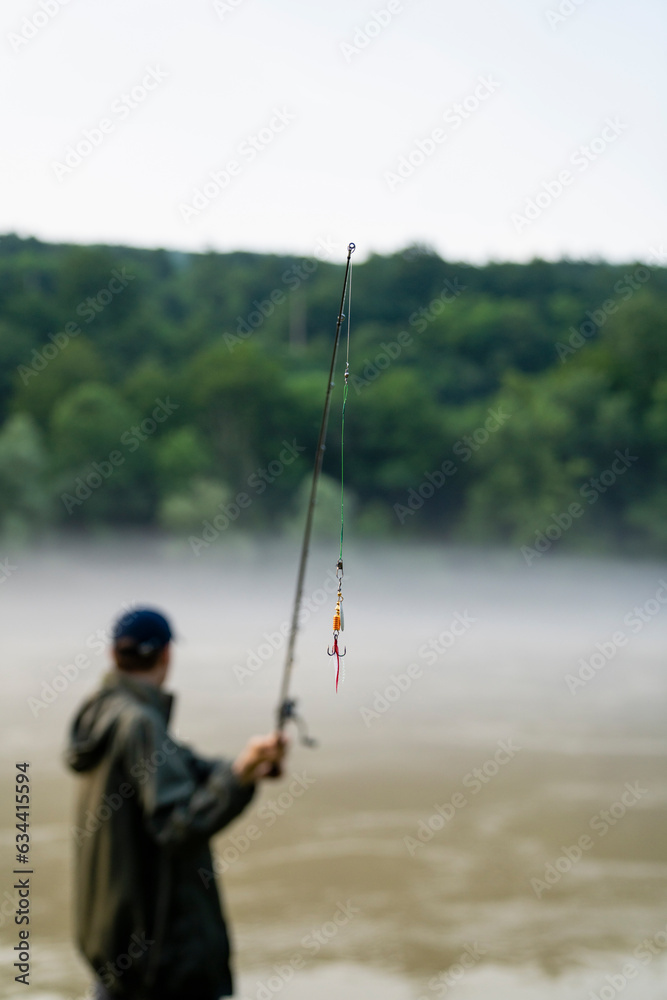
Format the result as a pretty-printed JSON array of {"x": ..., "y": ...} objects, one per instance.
[{"x": 338, "y": 624}]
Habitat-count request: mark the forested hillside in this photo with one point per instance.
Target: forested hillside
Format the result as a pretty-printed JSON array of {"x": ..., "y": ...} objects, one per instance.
[{"x": 510, "y": 403}]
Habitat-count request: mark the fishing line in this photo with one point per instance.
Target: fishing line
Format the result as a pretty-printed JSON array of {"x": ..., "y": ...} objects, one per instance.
[
  {"x": 286, "y": 709},
  {"x": 339, "y": 617}
]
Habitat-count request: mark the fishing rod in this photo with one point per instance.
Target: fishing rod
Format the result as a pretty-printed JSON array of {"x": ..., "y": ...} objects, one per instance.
[{"x": 286, "y": 709}]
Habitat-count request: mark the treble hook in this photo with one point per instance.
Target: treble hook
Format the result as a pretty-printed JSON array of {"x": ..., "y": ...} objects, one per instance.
[{"x": 336, "y": 651}]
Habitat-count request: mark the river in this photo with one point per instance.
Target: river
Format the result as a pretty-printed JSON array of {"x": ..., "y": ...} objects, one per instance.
[{"x": 483, "y": 817}]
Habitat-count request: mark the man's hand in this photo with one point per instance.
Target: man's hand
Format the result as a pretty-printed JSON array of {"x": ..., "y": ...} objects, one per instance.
[{"x": 260, "y": 758}]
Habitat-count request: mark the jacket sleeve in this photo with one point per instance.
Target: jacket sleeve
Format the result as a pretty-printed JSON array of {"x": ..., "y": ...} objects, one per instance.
[{"x": 183, "y": 798}]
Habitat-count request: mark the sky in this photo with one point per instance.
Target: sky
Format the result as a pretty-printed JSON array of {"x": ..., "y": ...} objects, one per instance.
[{"x": 487, "y": 130}]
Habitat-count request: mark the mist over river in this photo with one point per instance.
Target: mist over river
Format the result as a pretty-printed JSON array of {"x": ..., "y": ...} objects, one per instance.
[{"x": 484, "y": 816}]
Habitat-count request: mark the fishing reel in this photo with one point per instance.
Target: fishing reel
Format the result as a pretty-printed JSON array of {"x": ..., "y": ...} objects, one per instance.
[{"x": 288, "y": 713}]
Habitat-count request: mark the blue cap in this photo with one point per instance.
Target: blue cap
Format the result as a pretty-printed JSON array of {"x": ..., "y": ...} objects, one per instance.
[{"x": 148, "y": 629}]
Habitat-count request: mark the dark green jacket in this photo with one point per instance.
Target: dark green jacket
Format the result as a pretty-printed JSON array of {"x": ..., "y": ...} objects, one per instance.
[{"x": 148, "y": 914}]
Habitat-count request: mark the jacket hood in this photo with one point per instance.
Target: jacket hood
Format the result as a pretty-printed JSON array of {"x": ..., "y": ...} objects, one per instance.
[
  {"x": 91, "y": 731},
  {"x": 93, "y": 726}
]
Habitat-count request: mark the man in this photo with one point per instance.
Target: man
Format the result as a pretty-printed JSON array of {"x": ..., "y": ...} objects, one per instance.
[{"x": 148, "y": 914}]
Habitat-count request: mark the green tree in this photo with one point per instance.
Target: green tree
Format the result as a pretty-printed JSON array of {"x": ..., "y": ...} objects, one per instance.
[
  {"x": 38, "y": 390},
  {"x": 522, "y": 474},
  {"x": 181, "y": 456},
  {"x": 26, "y": 501},
  {"x": 243, "y": 405},
  {"x": 104, "y": 460}
]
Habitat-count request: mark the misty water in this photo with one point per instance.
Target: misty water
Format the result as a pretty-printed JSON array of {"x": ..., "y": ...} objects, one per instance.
[{"x": 484, "y": 816}]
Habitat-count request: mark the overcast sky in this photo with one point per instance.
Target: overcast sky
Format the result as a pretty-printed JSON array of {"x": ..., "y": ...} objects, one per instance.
[{"x": 486, "y": 129}]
